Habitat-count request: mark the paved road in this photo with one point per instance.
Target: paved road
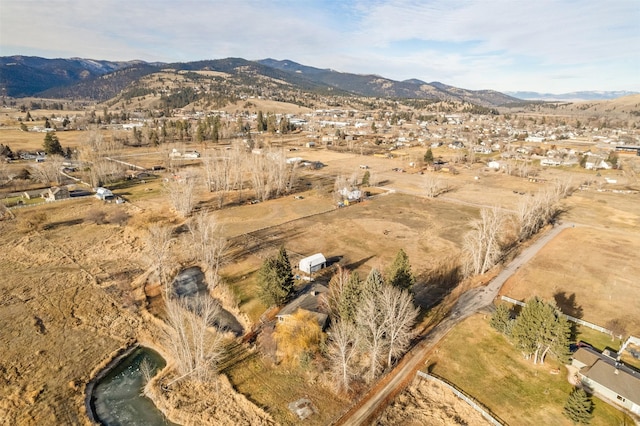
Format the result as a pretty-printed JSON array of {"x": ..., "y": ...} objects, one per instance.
[{"x": 469, "y": 303}]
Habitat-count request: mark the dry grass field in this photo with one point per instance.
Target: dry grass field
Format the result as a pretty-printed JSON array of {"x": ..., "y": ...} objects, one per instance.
[
  {"x": 72, "y": 293},
  {"x": 60, "y": 309},
  {"x": 590, "y": 269},
  {"x": 429, "y": 403}
]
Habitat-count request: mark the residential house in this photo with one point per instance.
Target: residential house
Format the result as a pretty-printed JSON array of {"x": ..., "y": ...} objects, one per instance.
[
  {"x": 312, "y": 300},
  {"x": 608, "y": 378},
  {"x": 56, "y": 193}
]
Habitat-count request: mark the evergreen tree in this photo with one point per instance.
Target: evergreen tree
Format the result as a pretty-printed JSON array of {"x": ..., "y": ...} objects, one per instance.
[
  {"x": 372, "y": 285},
  {"x": 399, "y": 273},
  {"x": 365, "y": 178},
  {"x": 284, "y": 271},
  {"x": 579, "y": 407},
  {"x": 275, "y": 279},
  {"x": 541, "y": 328},
  {"x": 270, "y": 291},
  {"x": 501, "y": 319},
  {"x": 261, "y": 122},
  {"x": 52, "y": 144},
  {"x": 350, "y": 298},
  {"x": 428, "y": 156}
]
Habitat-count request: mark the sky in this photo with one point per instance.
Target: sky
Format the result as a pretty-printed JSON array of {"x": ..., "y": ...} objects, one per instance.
[{"x": 506, "y": 45}]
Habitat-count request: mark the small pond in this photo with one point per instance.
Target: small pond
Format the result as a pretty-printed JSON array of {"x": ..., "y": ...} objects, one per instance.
[
  {"x": 117, "y": 398},
  {"x": 189, "y": 283}
]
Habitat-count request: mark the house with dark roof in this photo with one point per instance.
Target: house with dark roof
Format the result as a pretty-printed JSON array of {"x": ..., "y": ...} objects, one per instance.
[
  {"x": 608, "y": 378},
  {"x": 312, "y": 300},
  {"x": 56, "y": 193}
]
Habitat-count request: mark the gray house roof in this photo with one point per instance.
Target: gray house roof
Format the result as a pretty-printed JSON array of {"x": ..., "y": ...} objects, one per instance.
[
  {"x": 611, "y": 374},
  {"x": 311, "y": 300}
]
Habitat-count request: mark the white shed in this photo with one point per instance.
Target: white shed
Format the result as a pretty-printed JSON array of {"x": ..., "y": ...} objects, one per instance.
[
  {"x": 313, "y": 263},
  {"x": 104, "y": 194}
]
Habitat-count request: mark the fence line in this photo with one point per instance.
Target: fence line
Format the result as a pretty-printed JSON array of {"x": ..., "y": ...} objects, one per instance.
[
  {"x": 39, "y": 203},
  {"x": 491, "y": 418},
  {"x": 569, "y": 317}
]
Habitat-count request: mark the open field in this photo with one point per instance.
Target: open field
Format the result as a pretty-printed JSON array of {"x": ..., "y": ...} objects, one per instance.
[
  {"x": 485, "y": 365},
  {"x": 429, "y": 403},
  {"x": 61, "y": 311},
  {"x": 587, "y": 269},
  {"x": 71, "y": 295}
]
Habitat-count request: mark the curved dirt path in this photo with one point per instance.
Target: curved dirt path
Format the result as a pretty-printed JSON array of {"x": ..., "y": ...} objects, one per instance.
[{"x": 468, "y": 303}]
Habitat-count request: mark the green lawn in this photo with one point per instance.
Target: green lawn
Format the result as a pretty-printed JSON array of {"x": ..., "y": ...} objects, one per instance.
[
  {"x": 485, "y": 365},
  {"x": 13, "y": 201}
]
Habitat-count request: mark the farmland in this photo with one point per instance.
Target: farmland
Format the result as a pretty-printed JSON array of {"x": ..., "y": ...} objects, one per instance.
[{"x": 77, "y": 289}]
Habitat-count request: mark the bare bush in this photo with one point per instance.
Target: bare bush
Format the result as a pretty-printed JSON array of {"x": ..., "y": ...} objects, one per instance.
[
  {"x": 33, "y": 222},
  {"x": 97, "y": 216},
  {"x": 119, "y": 217}
]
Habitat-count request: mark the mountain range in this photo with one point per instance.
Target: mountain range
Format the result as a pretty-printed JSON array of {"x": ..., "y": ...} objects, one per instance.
[
  {"x": 571, "y": 96},
  {"x": 23, "y": 76}
]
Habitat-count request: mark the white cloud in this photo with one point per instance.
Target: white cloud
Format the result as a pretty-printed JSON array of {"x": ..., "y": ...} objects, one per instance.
[{"x": 505, "y": 45}]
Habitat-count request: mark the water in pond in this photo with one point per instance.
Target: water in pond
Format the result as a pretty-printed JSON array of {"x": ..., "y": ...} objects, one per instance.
[
  {"x": 190, "y": 283},
  {"x": 118, "y": 399}
]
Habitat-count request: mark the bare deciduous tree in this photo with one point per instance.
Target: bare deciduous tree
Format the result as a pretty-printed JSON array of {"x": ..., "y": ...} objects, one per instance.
[
  {"x": 336, "y": 291},
  {"x": 271, "y": 174},
  {"x": 482, "y": 243},
  {"x": 181, "y": 193},
  {"x": 535, "y": 212},
  {"x": 48, "y": 171},
  {"x": 342, "y": 350},
  {"x": 159, "y": 240},
  {"x": 196, "y": 348},
  {"x": 401, "y": 314},
  {"x": 208, "y": 243},
  {"x": 434, "y": 186},
  {"x": 97, "y": 150},
  {"x": 371, "y": 322},
  {"x": 218, "y": 171}
]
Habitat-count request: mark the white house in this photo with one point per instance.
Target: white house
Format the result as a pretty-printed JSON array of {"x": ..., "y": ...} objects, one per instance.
[
  {"x": 351, "y": 195},
  {"x": 493, "y": 165},
  {"x": 313, "y": 263},
  {"x": 597, "y": 165},
  {"x": 550, "y": 162},
  {"x": 191, "y": 154}
]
